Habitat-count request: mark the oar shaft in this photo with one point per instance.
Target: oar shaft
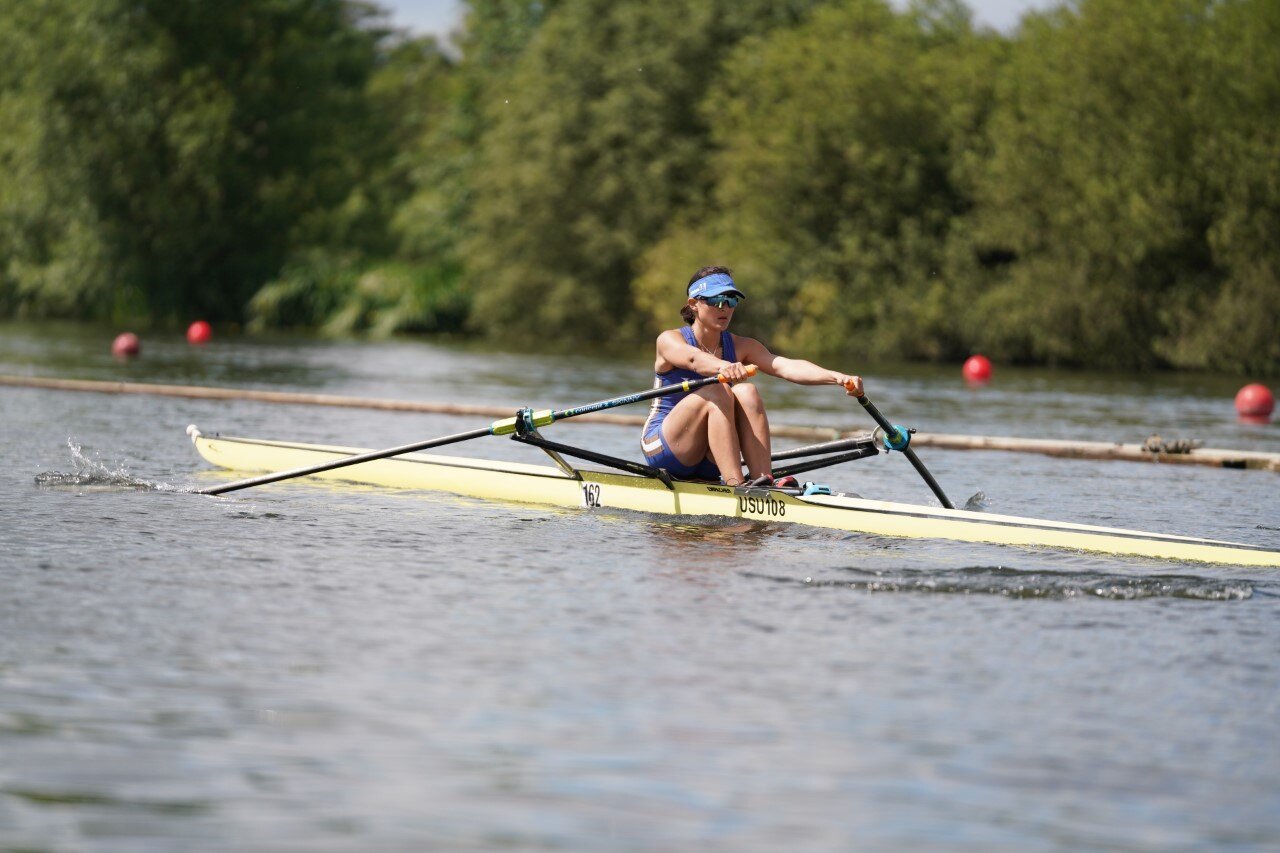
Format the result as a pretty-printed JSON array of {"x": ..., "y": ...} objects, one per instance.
[
  {"x": 546, "y": 417},
  {"x": 660, "y": 391},
  {"x": 877, "y": 416},
  {"x": 927, "y": 477},
  {"x": 892, "y": 431},
  {"x": 344, "y": 462}
]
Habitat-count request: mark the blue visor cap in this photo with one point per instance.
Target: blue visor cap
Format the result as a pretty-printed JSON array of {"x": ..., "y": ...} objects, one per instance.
[{"x": 714, "y": 285}]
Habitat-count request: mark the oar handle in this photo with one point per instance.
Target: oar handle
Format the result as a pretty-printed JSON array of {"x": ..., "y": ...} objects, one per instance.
[
  {"x": 751, "y": 369},
  {"x": 892, "y": 433}
]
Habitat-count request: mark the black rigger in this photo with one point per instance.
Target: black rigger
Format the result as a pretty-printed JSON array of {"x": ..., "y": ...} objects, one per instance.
[
  {"x": 536, "y": 440},
  {"x": 824, "y": 462},
  {"x": 827, "y": 447}
]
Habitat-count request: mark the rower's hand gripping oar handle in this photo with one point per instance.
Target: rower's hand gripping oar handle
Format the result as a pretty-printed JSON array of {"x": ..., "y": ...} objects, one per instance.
[
  {"x": 899, "y": 439},
  {"x": 724, "y": 380}
]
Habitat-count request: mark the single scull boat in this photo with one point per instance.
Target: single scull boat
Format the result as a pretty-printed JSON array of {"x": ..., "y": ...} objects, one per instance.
[{"x": 637, "y": 487}]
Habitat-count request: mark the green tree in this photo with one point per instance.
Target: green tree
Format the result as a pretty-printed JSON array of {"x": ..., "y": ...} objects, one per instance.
[
  {"x": 375, "y": 262},
  {"x": 169, "y": 151},
  {"x": 1234, "y": 322},
  {"x": 1129, "y": 188},
  {"x": 414, "y": 202},
  {"x": 594, "y": 144},
  {"x": 443, "y": 156},
  {"x": 844, "y": 153}
]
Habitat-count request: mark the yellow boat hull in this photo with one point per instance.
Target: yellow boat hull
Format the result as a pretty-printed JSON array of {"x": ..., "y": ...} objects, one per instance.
[{"x": 591, "y": 489}]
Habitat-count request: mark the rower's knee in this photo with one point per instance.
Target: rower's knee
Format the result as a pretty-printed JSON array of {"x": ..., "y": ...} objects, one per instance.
[
  {"x": 747, "y": 397},
  {"x": 718, "y": 396}
]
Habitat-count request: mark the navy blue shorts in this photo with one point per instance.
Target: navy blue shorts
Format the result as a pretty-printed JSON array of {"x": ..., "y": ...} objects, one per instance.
[{"x": 659, "y": 455}]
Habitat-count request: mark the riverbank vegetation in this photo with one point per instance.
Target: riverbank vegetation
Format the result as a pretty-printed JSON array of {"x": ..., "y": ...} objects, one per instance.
[{"x": 1099, "y": 187}]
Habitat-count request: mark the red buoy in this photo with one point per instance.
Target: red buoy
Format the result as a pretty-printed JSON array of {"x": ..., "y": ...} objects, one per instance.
[
  {"x": 126, "y": 345},
  {"x": 199, "y": 332},
  {"x": 977, "y": 369},
  {"x": 1255, "y": 403}
]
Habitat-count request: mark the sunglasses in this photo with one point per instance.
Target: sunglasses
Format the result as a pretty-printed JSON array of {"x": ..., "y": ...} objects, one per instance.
[{"x": 721, "y": 301}]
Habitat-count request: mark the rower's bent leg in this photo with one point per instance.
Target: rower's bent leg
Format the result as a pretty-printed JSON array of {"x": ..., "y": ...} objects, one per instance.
[
  {"x": 753, "y": 430},
  {"x": 703, "y": 424},
  {"x": 722, "y": 434}
]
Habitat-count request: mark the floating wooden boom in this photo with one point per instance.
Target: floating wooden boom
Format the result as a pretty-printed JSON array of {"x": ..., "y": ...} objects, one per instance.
[{"x": 1066, "y": 449}]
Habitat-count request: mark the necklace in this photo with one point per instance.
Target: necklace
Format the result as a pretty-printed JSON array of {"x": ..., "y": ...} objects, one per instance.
[{"x": 715, "y": 353}]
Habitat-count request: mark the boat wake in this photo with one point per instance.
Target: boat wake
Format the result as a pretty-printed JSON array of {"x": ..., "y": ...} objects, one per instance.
[
  {"x": 1040, "y": 584},
  {"x": 92, "y": 473}
]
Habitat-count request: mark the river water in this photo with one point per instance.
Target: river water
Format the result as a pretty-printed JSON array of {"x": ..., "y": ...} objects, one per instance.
[{"x": 319, "y": 666}]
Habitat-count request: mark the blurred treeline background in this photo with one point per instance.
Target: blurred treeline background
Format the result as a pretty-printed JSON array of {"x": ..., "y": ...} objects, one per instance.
[{"x": 1099, "y": 187}]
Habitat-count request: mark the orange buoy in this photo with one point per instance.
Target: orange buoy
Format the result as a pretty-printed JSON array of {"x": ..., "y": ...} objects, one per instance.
[
  {"x": 199, "y": 332},
  {"x": 977, "y": 369},
  {"x": 126, "y": 345},
  {"x": 1255, "y": 403}
]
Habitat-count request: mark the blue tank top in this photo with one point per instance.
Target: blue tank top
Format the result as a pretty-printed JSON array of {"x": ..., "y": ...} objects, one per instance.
[{"x": 661, "y": 405}]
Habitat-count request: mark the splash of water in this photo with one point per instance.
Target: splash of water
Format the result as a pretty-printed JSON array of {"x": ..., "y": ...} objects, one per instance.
[{"x": 91, "y": 472}]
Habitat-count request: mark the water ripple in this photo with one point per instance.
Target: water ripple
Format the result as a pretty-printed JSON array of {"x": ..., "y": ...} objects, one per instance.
[{"x": 1016, "y": 583}]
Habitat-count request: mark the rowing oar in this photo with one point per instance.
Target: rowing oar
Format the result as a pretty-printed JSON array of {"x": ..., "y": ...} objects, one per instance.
[
  {"x": 899, "y": 439},
  {"x": 506, "y": 426}
]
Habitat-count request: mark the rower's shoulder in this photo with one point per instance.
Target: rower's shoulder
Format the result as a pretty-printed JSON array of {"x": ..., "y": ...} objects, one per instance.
[
  {"x": 669, "y": 337},
  {"x": 672, "y": 335}
]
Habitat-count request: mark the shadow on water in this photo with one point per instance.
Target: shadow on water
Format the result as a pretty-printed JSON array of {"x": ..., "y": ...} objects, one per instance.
[
  {"x": 1019, "y": 583},
  {"x": 74, "y": 798},
  {"x": 713, "y": 529}
]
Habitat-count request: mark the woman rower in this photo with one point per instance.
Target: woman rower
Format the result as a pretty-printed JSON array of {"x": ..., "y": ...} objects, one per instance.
[{"x": 707, "y": 434}]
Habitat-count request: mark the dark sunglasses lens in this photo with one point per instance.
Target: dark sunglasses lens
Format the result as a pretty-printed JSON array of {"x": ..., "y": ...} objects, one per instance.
[{"x": 723, "y": 301}]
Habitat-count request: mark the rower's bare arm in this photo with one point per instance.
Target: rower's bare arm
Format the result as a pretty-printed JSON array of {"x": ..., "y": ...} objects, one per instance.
[
  {"x": 795, "y": 370},
  {"x": 676, "y": 352}
]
